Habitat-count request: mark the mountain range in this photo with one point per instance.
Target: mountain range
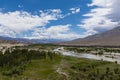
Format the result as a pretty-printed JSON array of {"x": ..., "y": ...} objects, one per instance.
[
  {"x": 108, "y": 38},
  {"x": 35, "y": 41}
]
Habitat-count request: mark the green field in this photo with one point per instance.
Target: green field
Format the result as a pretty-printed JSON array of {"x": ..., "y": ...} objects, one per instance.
[
  {"x": 54, "y": 66},
  {"x": 71, "y": 69}
]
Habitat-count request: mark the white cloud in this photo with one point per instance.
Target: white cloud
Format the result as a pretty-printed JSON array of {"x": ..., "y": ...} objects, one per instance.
[
  {"x": 20, "y": 6},
  {"x": 6, "y": 32},
  {"x": 101, "y": 3},
  {"x": 20, "y": 21},
  {"x": 115, "y": 13},
  {"x": 54, "y": 32},
  {"x": 75, "y": 10},
  {"x": 101, "y": 18},
  {"x": 17, "y": 22}
]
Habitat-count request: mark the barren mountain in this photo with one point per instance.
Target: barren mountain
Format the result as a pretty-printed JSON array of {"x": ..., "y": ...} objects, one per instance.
[{"x": 108, "y": 38}]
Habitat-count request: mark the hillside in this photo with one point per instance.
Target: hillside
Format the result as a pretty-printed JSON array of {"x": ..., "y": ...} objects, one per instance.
[{"x": 108, "y": 38}]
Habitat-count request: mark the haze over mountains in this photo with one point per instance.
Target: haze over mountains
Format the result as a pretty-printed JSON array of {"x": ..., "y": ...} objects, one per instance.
[
  {"x": 108, "y": 38},
  {"x": 25, "y": 40}
]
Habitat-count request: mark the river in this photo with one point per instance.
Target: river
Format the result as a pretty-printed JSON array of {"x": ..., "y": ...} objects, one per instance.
[{"x": 90, "y": 55}]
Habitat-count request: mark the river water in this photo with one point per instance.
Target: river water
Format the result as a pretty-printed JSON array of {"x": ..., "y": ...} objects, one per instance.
[{"x": 90, "y": 55}]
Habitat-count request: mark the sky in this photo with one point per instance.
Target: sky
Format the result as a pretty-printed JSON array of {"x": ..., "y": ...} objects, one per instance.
[{"x": 57, "y": 19}]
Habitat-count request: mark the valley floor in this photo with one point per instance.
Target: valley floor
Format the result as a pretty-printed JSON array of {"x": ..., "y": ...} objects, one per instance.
[
  {"x": 64, "y": 67},
  {"x": 68, "y": 68}
]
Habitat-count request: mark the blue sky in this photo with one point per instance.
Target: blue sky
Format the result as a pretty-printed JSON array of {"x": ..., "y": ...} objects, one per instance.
[{"x": 55, "y": 19}]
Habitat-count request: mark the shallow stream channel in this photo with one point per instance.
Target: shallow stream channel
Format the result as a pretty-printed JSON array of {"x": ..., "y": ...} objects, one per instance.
[{"x": 111, "y": 57}]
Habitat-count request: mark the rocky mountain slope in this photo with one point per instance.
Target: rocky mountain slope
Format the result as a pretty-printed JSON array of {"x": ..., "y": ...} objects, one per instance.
[{"x": 108, "y": 38}]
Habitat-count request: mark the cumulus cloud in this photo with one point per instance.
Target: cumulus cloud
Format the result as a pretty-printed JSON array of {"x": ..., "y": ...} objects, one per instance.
[
  {"x": 54, "y": 32},
  {"x": 115, "y": 13},
  {"x": 20, "y": 21},
  {"x": 101, "y": 3},
  {"x": 75, "y": 10},
  {"x": 20, "y": 6},
  {"x": 103, "y": 17},
  {"x": 6, "y": 32}
]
